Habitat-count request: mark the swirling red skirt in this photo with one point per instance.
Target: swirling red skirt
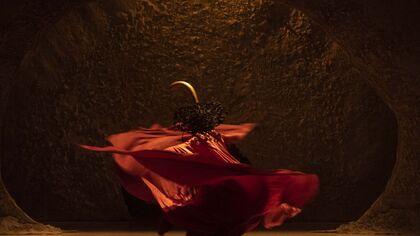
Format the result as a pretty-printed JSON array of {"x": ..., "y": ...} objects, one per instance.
[{"x": 200, "y": 186}]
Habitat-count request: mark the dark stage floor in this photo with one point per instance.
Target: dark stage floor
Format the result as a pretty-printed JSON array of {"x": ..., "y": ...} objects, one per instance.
[{"x": 128, "y": 229}]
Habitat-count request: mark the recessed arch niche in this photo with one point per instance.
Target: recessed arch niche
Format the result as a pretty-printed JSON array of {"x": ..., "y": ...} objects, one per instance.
[{"x": 105, "y": 67}]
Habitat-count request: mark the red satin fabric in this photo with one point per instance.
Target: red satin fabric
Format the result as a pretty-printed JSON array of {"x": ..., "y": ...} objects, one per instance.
[{"x": 200, "y": 186}]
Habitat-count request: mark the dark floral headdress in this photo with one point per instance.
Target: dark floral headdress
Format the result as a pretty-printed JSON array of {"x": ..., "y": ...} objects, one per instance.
[{"x": 199, "y": 117}]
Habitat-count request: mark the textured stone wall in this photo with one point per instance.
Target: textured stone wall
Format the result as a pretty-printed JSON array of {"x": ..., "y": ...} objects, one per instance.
[
  {"x": 105, "y": 67},
  {"x": 383, "y": 42}
]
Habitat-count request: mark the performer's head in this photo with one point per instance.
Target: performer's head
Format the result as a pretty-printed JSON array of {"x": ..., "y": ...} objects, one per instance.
[{"x": 199, "y": 117}]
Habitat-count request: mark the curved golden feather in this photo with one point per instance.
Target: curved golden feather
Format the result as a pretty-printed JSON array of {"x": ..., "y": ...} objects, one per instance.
[{"x": 188, "y": 85}]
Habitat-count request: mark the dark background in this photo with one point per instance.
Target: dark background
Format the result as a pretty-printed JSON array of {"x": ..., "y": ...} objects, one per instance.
[{"x": 78, "y": 72}]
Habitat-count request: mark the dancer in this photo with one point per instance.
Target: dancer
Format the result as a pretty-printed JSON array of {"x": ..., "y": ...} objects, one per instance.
[{"x": 200, "y": 186}]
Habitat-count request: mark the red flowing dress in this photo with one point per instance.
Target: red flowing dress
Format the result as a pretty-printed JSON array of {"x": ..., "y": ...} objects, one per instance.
[{"x": 200, "y": 186}]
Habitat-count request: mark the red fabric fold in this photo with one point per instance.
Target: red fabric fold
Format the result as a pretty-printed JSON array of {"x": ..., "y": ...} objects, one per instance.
[{"x": 200, "y": 186}]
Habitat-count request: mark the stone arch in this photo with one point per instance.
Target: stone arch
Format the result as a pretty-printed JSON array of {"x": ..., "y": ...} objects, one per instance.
[
  {"x": 148, "y": 7},
  {"x": 382, "y": 41}
]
